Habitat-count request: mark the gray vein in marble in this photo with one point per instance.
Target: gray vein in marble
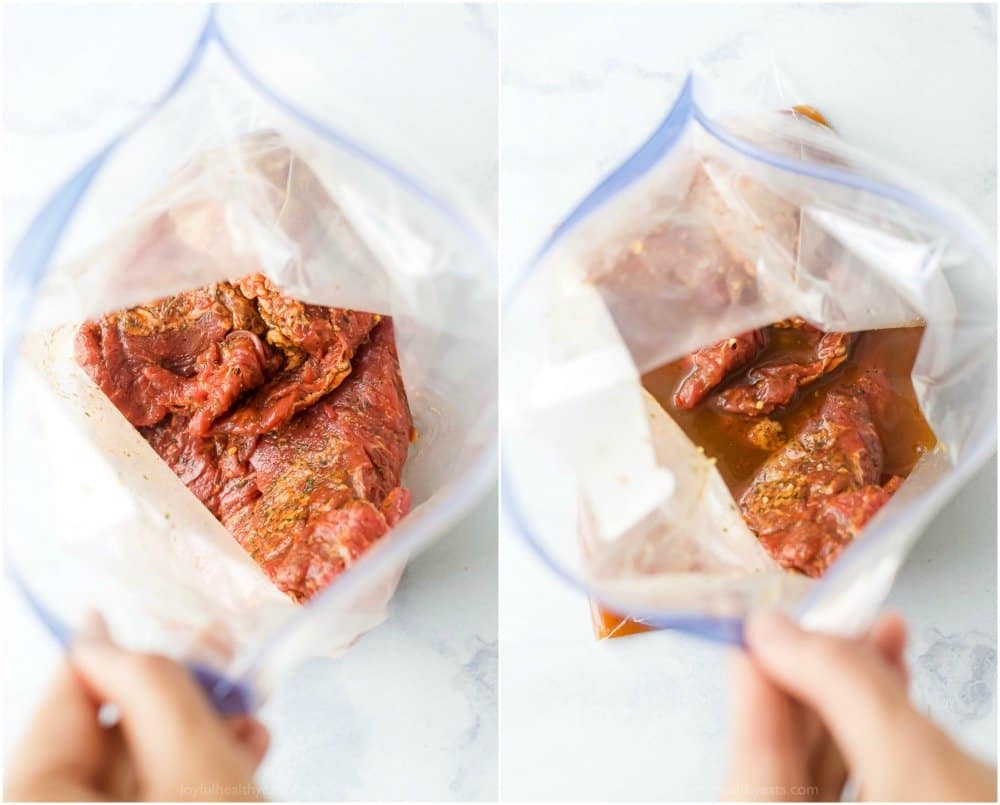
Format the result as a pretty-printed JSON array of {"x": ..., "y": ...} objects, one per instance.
[
  {"x": 477, "y": 681},
  {"x": 482, "y": 23},
  {"x": 957, "y": 672},
  {"x": 986, "y": 16},
  {"x": 326, "y": 717}
]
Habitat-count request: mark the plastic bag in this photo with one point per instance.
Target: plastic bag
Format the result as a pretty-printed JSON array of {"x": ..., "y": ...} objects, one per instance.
[
  {"x": 223, "y": 178},
  {"x": 745, "y": 215}
]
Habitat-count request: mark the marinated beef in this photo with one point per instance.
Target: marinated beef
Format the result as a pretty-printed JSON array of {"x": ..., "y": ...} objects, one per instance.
[
  {"x": 317, "y": 343},
  {"x": 288, "y": 421},
  {"x": 811, "y": 497},
  {"x": 810, "y": 474},
  {"x": 329, "y": 478},
  {"x": 766, "y": 386},
  {"x": 678, "y": 262},
  {"x": 769, "y": 386},
  {"x": 682, "y": 271},
  {"x": 711, "y": 365},
  {"x": 195, "y": 352}
]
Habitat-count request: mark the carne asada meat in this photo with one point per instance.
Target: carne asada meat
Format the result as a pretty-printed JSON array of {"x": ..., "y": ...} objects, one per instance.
[
  {"x": 812, "y": 497},
  {"x": 860, "y": 416},
  {"x": 196, "y": 351},
  {"x": 811, "y": 473},
  {"x": 769, "y": 386},
  {"x": 317, "y": 342},
  {"x": 329, "y": 479},
  {"x": 711, "y": 365},
  {"x": 288, "y": 421},
  {"x": 682, "y": 271}
]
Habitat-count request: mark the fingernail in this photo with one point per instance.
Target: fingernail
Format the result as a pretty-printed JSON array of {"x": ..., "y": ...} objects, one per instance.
[
  {"x": 770, "y": 628},
  {"x": 93, "y": 627}
]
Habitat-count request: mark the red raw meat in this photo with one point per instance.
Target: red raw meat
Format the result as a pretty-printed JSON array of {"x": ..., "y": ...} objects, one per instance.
[
  {"x": 711, "y": 365},
  {"x": 318, "y": 343},
  {"x": 767, "y": 387},
  {"x": 329, "y": 479},
  {"x": 196, "y": 351},
  {"x": 253, "y": 400},
  {"x": 813, "y": 496}
]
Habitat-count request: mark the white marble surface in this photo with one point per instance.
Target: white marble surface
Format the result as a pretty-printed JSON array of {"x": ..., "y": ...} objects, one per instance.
[
  {"x": 411, "y": 711},
  {"x": 646, "y": 717}
]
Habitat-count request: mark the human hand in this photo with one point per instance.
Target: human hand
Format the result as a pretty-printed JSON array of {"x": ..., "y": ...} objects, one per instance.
[
  {"x": 168, "y": 744},
  {"x": 809, "y": 709}
]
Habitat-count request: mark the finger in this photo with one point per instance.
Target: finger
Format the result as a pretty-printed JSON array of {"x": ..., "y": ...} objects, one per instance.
[
  {"x": 119, "y": 780},
  {"x": 888, "y": 637},
  {"x": 760, "y": 709},
  {"x": 93, "y": 627},
  {"x": 768, "y": 747},
  {"x": 64, "y": 738},
  {"x": 830, "y": 769},
  {"x": 855, "y": 692},
  {"x": 162, "y": 708},
  {"x": 250, "y": 735}
]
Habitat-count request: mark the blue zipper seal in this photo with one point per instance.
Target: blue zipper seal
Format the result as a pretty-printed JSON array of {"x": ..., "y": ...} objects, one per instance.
[{"x": 228, "y": 698}]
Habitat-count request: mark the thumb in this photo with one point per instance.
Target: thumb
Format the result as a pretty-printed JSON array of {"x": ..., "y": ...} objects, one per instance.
[
  {"x": 854, "y": 690},
  {"x": 164, "y": 713}
]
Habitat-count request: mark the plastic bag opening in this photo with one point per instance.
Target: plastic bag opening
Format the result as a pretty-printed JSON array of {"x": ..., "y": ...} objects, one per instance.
[
  {"x": 223, "y": 178},
  {"x": 720, "y": 223}
]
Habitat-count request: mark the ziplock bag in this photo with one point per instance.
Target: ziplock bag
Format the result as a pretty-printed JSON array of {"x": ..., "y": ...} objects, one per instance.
[
  {"x": 738, "y": 214},
  {"x": 224, "y": 178}
]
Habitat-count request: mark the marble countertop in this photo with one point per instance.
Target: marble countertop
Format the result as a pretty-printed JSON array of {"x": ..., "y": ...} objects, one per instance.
[
  {"x": 411, "y": 710},
  {"x": 646, "y": 717}
]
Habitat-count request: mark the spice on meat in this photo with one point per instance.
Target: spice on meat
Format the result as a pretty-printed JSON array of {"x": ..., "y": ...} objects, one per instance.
[{"x": 288, "y": 421}]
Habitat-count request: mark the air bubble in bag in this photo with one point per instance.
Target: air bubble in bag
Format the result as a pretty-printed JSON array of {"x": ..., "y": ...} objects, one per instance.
[
  {"x": 223, "y": 178},
  {"x": 790, "y": 220}
]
